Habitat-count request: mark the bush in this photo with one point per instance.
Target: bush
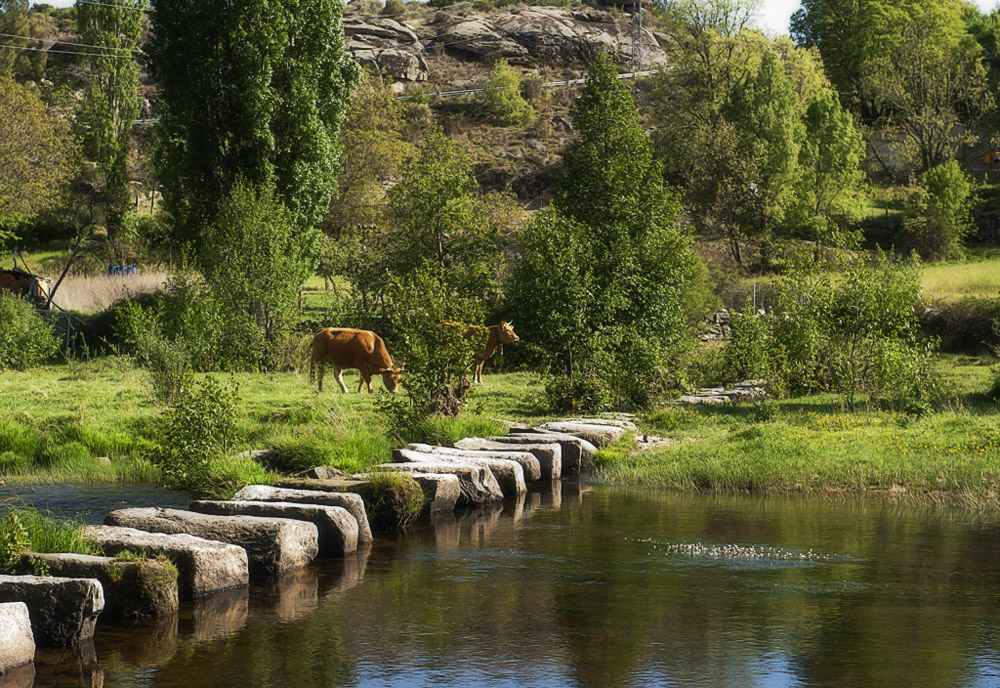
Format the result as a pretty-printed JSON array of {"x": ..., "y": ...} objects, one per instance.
[
  {"x": 393, "y": 8},
  {"x": 502, "y": 97},
  {"x": 577, "y": 394},
  {"x": 937, "y": 213},
  {"x": 749, "y": 352},
  {"x": 25, "y": 338},
  {"x": 169, "y": 363}
]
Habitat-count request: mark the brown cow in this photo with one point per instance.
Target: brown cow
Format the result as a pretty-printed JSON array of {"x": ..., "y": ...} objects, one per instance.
[
  {"x": 492, "y": 337},
  {"x": 349, "y": 348}
]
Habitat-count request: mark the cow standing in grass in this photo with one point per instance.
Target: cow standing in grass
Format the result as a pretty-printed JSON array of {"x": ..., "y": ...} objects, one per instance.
[
  {"x": 349, "y": 348},
  {"x": 491, "y": 338}
]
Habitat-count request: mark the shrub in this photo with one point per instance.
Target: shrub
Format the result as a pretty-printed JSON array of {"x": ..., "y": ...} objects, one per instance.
[
  {"x": 533, "y": 90},
  {"x": 576, "y": 394},
  {"x": 937, "y": 213},
  {"x": 393, "y": 8},
  {"x": 749, "y": 353},
  {"x": 169, "y": 363},
  {"x": 502, "y": 97},
  {"x": 25, "y": 338}
]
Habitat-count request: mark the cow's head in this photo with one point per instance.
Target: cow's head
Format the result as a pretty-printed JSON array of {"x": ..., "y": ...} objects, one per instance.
[
  {"x": 507, "y": 335},
  {"x": 390, "y": 377}
]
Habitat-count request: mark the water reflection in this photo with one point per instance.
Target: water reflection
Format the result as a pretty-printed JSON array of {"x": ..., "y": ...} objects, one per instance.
[{"x": 596, "y": 586}]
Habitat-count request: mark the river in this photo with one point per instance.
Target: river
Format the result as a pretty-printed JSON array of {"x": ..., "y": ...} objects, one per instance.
[{"x": 600, "y": 586}]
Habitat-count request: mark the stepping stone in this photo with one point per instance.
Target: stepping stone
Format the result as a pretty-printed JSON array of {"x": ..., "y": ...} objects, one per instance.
[
  {"x": 133, "y": 589},
  {"x": 17, "y": 644},
  {"x": 348, "y": 500},
  {"x": 336, "y": 527},
  {"x": 616, "y": 422},
  {"x": 203, "y": 566},
  {"x": 440, "y": 490},
  {"x": 476, "y": 483},
  {"x": 577, "y": 453},
  {"x": 549, "y": 454},
  {"x": 388, "y": 507},
  {"x": 529, "y": 464},
  {"x": 273, "y": 545},
  {"x": 598, "y": 435},
  {"x": 509, "y": 474},
  {"x": 63, "y": 611}
]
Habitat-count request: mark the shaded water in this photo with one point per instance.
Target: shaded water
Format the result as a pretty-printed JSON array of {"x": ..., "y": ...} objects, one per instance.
[{"x": 602, "y": 586}]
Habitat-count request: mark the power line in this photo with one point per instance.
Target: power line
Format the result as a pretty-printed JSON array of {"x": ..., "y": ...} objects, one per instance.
[
  {"x": 81, "y": 45},
  {"x": 64, "y": 52}
]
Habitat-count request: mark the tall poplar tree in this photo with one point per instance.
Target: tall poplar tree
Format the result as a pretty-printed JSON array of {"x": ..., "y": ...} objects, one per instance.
[
  {"x": 111, "y": 100},
  {"x": 249, "y": 89}
]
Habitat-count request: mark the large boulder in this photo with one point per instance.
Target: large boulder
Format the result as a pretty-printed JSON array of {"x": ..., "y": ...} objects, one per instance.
[
  {"x": 203, "y": 566},
  {"x": 401, "y": 65},
  {"x": 17, "y": 644},
  {"x": 133, "y": 588},
  {"x": 476, "y": 483},
  {"x": 336, "y": 528},
  {"x": 598, "y": 435},
  {"x": 529, "y": 464},
  {"x": 63, "y": 611},
  {"x": 509, "y": 474},
  {"x": 348, "y": 500},
  {"x": 577, "y": 453},
  {"x": 549, "y": 454},
  {"x": 441, "y": 492},
  {"x": 273, "y": 545}
]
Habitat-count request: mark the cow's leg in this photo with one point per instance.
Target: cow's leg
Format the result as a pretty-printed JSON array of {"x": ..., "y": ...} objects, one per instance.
[
  {"x": 477, "y": 374},
  {"x": 340, "y": 379},
  {"x": 319, "y": 375},
  {"x": 366, "y": 379}
]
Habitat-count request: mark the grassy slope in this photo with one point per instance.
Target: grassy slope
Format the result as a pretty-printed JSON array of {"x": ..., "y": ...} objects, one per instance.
[
  {"x": 56, "y": 420},
  {"x": 811, "y": 444}
]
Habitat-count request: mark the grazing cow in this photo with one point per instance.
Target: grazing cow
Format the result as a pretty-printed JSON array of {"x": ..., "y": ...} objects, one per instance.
[
  {"x": 349, "y": 348},
  {"x": 492, "y": 337}
]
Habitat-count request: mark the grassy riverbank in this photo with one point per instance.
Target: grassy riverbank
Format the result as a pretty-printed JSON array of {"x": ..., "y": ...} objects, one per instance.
[{"x": 811, "y": 444}]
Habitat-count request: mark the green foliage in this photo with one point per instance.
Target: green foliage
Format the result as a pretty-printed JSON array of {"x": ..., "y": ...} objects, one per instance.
[
  {"x": 392, "y": 500},
  {"x": 502, "y": 97},
  {"x": 578, "y": 394},
  {"x": 25, "y": 529},
  {"x": 254, "y": 90},
  {"x": 111, "y": 99},
  {"x": 598, "y": 284},
  {"x": 749, "y": 353},
  {"x": 393, "y": 8},
  {"x": 25, "y": 338},
  {"x": 937, "y": 213}
]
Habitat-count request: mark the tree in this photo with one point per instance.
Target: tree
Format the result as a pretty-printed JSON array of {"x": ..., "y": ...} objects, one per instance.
[
  {"x": 111, "y": 99},
  {"x": 254, "y": 90},
  {"x": 599, "y": 280},
  {"x": 37, "y": 156},
  {"x": 828, "y": 190},
  {"x": 937, "y": 213},
  {"x": 13, "y": 23},
  {"x": 502, "y": 97}
]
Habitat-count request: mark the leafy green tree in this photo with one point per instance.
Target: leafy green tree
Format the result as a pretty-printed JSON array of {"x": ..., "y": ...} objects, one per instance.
[
  {"x": 254, "y": 90},
  {"x": 14, "y": 22},
  {"x": 38, "y": 156},
  {"x": 829, "y": 188},
  {"x": 25, "y": 339},
  {"x": 111, "y": 99},
  {"x": 599, "y": 281},
  {"x": 502, "y": 97},
  {"x": 937, "y": 213}
]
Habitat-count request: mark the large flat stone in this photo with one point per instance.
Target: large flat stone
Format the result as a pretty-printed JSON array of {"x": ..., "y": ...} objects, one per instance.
[
  {"x": 549, "y": 454},
  {"x": 203, "y": 566},
  {"x": 348, "y": 500},
  {"x": 476, "y": 483},
  {"x": 17, "y": 644},
  {"x": 577, "y": 453},
  {"x": 598, "y": 435},
  {"x": 615, "y": 422},
  {"x": 336, "y": 527},
  {"x": 509, "y": 474},
  {"x": 388, "y": 506},
  {"x": 133, "y": 589},
  {"x": 273, "y": 545},
  {"x": 529, "y": 463},
  {"x": 440, "y": 490},
  {"x": 63, "y": 611}
]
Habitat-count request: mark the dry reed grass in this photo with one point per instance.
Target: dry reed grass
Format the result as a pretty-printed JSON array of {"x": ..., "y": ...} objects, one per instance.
[{"x": 91, "y": 293}]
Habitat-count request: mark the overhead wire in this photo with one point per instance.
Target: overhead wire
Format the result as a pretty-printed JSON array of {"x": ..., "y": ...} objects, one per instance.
[{"x": 81, "y": 45}]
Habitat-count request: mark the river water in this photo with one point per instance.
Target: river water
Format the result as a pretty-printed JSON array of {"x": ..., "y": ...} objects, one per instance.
[{"x": 601, "y": 586}]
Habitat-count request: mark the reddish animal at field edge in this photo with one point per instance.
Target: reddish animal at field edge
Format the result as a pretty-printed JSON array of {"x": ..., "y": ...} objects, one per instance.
[
  {"x": 497, "y": 336},
  {"x": 349, "y": 348}
]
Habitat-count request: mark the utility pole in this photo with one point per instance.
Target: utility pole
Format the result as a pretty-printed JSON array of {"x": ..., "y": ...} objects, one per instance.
[{"x": 637, "y": 35}]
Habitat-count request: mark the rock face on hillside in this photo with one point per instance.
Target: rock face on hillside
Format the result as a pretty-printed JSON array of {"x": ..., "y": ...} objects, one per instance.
[{"x": 536, "y": 36}]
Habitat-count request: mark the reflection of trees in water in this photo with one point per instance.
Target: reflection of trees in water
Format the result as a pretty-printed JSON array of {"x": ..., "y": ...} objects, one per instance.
[{"x": 570, "y": 586}]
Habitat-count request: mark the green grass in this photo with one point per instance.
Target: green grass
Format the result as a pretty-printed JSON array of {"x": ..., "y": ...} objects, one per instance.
[
  {"x": 811, "y": 445},
  {"x": 25, "y": 529},
  {"x": 952, "y": 281}
]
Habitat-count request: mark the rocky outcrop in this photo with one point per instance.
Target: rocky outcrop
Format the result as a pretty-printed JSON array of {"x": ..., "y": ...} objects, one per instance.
[
  {"x": 347, "y": 500},
  {"x": 17, "y": 644},
  {"x": 476, "y": 483},
  {"x": 548, "y": 36},
  {"x": 748, "y": 390},
  {"x": 63, "y": 611},
  {"x": 529, "y": 464},
  {"x": 133, "y": 588},
  {"x": 549, "y": 454},
  {"x": 337, "y": 529},
  {"x": 203, "y": 566},
  {"x": 509, "y": 474},
  {"x": 273, "y": 545},
  {"x": 384, "y": 44}
]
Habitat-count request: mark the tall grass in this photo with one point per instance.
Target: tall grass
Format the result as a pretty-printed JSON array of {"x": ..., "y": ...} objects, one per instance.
[
  {"x": 25, "y": 529},
  {"x": 953, "y": 281},
  {"x": 92, "y": 293}
]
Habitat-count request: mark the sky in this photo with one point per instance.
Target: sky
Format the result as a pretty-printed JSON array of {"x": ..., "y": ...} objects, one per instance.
[{"x": 774, "y": 14}]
